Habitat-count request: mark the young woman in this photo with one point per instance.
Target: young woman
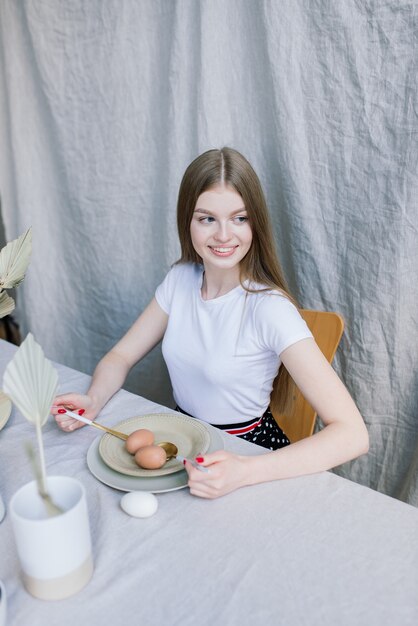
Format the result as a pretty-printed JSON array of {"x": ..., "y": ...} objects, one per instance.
[{"x": 232, "y": 335}]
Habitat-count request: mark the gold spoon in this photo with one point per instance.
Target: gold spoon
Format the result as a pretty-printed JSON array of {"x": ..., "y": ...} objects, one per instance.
[
  {"x": 171, "y": 449},
  {"x": 172, "y": 453}
]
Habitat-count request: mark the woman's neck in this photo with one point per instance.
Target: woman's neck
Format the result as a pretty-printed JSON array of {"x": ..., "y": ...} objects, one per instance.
[{"x": 218, "y": 283}]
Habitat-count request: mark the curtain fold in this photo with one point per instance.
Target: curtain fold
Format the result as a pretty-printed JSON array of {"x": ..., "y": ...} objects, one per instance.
[{"x": 104, "y": 104}]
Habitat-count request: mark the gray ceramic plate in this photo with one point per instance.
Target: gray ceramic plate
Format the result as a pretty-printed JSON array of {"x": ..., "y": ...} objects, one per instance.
[{"x": 157, "y": 484}]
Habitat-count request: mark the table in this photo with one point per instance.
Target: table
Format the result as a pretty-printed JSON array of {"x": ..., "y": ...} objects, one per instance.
[{"x": 316, "y": 550}]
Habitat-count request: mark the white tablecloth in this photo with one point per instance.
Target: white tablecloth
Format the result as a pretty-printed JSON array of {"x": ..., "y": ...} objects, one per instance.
[{"x": 317, "y": 550}]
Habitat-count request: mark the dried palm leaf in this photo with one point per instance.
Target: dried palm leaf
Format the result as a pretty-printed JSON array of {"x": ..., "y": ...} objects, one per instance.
[
  {"x": 7, "y": 304},
  {"x": 14, "y": 260},
  {"x": 31, "y": 383}
]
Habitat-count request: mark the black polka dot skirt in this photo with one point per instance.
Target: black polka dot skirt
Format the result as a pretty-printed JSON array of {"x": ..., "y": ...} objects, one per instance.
[{"x": 264, "y": 431}]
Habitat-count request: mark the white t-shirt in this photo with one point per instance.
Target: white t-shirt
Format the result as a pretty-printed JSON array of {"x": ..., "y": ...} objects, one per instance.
[{"x": 223, "y": 354}]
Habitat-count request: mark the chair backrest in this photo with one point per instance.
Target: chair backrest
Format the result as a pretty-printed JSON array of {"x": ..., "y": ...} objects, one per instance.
[{"x": 327, "y": 329}]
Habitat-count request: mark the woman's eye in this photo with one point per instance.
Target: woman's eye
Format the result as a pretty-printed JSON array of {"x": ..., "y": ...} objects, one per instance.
[
  {"x": 241, "y": 219},
  {"x": 206, "y": 220}
]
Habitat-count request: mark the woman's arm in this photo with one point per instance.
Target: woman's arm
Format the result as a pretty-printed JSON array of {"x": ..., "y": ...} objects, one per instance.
[
  {"x": 344, "y": 437},
  {"x": 111, "y": 371}
]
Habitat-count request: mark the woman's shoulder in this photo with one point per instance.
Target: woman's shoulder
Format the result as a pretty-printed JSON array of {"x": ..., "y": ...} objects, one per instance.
[
  {"x": 180, "y": 275},
  {"x": 278, "y": 320},
  {"x": 177, "y": 284},
  {"x": 264, "y": 297},
  {"x": 273, "y": 305},
  {"x": 187, "y": 267},
  {"x": 185, "y": 271}
]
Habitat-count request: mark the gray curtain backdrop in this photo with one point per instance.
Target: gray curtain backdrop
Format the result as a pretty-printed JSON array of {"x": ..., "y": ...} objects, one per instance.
[{"x": 104, "y": 103}]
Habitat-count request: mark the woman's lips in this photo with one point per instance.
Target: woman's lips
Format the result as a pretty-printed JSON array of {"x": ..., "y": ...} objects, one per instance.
[{"x": 223, "y": 250}]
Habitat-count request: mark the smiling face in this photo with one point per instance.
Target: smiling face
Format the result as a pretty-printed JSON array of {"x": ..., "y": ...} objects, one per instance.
[{"x": 220, "y": 231}]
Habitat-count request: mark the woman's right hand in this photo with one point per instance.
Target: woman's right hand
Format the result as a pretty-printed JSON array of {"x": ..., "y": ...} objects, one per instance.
[{"x": 76, "y": 402}]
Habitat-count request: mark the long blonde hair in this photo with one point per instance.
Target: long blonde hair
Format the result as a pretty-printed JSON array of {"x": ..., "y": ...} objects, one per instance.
[{"x": 261, "y": 264}]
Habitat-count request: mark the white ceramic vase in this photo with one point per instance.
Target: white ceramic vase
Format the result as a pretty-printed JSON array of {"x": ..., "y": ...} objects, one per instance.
[{"x": 54, "y": 552}]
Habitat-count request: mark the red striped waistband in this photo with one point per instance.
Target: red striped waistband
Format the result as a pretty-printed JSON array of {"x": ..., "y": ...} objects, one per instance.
[
  {"x": 239, "y": 429},
  {"x": 244, "y": 429}
]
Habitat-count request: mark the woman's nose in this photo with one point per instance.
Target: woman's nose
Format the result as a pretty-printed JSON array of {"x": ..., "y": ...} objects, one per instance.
[{"x": 222, "y": 233}]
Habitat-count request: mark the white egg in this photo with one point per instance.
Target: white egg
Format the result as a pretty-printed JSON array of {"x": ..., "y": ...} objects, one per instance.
[{"x": 139, "y": 503}]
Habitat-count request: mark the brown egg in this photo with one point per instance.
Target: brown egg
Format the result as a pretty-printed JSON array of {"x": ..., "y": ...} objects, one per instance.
[
  {"x": 139, "y": 439},
  {"x": 151, "y": 457}
]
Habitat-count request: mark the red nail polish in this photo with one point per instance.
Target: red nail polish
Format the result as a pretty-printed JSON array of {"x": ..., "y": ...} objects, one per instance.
[
  {"x": 61, "y": 411},
  {"x": 200, "y": 459},
  {"x": 184, "y": 461},
  {"x": 81, "y": 411}
]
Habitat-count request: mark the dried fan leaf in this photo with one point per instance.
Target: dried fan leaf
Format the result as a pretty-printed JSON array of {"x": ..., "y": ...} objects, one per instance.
[
  {"x": 7, "y": 304},
  {"x": 31, "y": 382},
  {"x": 14, "y": 260}
]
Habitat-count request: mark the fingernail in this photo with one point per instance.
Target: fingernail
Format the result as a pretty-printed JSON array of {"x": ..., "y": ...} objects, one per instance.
[
  {"x": 61, "y": 411},
  {"x": 184, "y": 461},
  {"x": 200, "y": 459},
  {"x": 81, "y": 411}
]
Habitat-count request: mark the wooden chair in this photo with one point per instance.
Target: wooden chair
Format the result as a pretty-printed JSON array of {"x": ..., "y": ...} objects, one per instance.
[{"x": 327, "y": 329}]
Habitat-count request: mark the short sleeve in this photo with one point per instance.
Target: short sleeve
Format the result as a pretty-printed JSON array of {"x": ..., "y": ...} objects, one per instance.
[
  {"x": 164, "y": 292},
  {"x": 279, "y": 323}
]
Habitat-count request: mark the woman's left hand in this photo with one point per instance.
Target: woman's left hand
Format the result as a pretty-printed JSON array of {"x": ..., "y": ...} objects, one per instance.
[{"x": 227, "y": 472}]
